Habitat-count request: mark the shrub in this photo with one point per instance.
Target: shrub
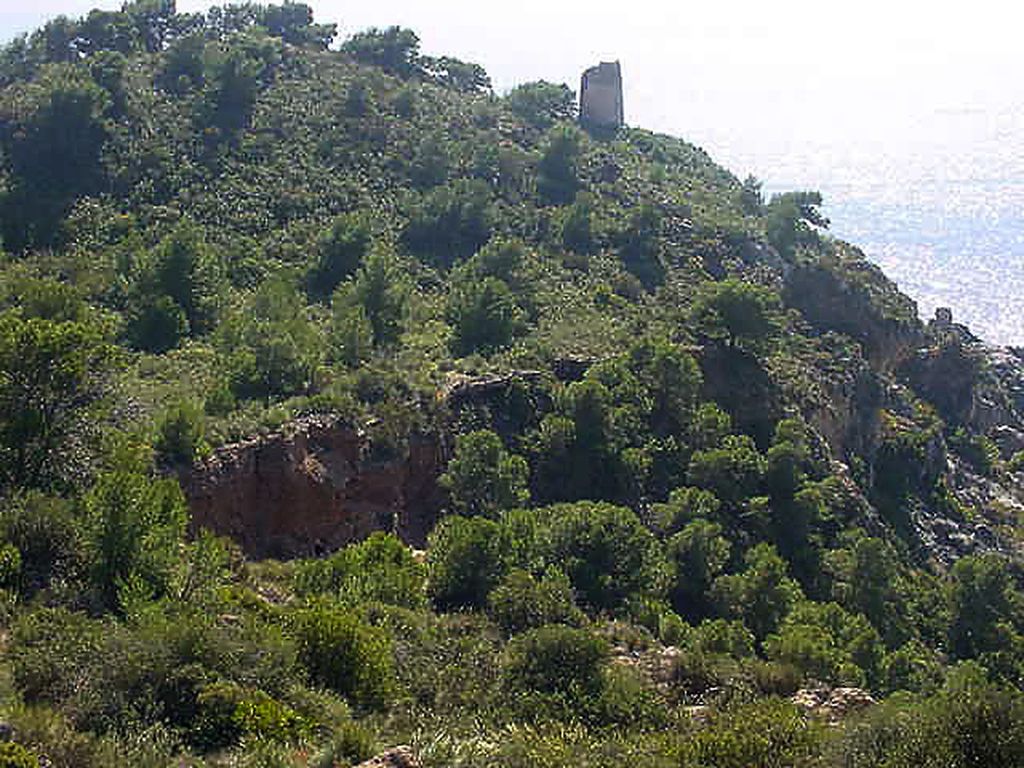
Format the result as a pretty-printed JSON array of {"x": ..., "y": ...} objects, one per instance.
[
  {"x": 450, "y": 222},
  {"x": 761, "y": 595},
  {"x": 466, "y": 558},
  {"x": 765, "y": 734},
  {"x": 483, "y": 478},
  {"x": 181, "y": 434},
  {"x": 227, "y": 712},
  {"x": 484, "y": 316},
  {"x": 542, "y": 104},
  {"x": 556, "y": 660},
  {"x": 521, "y": 602},
  {"x": 16, "y": 756},
  {"x": 340, "y": 251},
  {"x": 381, "y": 568},
  {"x": 345, "y": 654},
  {"x": 732, "y": 472},
  {"x": 605, "y": 550}
]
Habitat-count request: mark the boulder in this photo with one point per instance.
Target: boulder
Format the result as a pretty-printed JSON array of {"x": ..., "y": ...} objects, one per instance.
[{"x": 398, "y": 757}]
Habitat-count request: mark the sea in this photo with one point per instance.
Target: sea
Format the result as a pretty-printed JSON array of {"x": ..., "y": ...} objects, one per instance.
[{"x": 940, "y": 209}]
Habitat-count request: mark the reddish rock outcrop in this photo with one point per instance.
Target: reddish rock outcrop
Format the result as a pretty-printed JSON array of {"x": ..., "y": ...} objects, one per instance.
[{"x": 312, "y": 488}]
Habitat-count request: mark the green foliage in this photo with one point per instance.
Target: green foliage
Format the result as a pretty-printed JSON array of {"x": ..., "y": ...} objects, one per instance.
[
  {"x": 522, "y": 602},
  {"x": 181, "y": 434},
  {"x": 379, "y": 569},
  {"x": 484, "y": 316},
  {"x": 556, "y": 660},
  {"x": 395, "y": 50},
  {"x": 761, "y": 596},
  {"x": 866, "y": 578},
  {"x": 684, "y": 506},
  {"x": 761, "y": 735},
  {"x": 135, "y": 529},
  {"x": 969, "y": 723},
  {"x": 16, "y": 756},
  {"x": 54, "y": 132},
  {"x": 375, "y": 299},
  {"x": 979, "y": 450},
  {"x": 449, "y": 223},
  {"x": 639, "y": 245},
  {"x": 558, "y": 167},
  {"x": 462, "y": 76},
  {"x": 343, "y": 653},
  {"x": 751, "y": 196},
  {"x": 46, "y": 534},
  {"x": 699, "y": 554},
  {"x": 483, "y": 478},
  {"x": 178, "y": 291},
  {"x": 466, "y": 559},
  {"x": 542, "y": 104},
  {"x": 732, "y": 472},
  {"x": 827, "y": 644},
  {"x": 274, "y": 348},
  {"x": 227, "y": 712},
  {"x": 340, "y": 252},
  {"x": 793, "y": 219},
  {"x": 605, "y": 550},
  {"x": 742, "y": 313},
  {"x": 986, "y": 612},
  {"x": 52, "y": 377}
]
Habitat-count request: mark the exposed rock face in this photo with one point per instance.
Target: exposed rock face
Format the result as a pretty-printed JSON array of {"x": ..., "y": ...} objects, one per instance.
[
  {"x": 832, "y": 705},
  {"x": 601, "y": 96},
  {"x": 853, "y": 297},
  {"x": 399, "y": 757},
  {"x": 313, "y": 488}
]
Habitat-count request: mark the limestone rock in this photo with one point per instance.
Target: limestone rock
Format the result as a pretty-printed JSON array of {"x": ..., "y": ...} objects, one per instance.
[
  {"x": 398, "y": 757},
  {"x": 832, "y": 704}
]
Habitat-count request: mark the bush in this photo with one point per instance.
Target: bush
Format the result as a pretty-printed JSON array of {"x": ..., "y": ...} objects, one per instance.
[
  {"x": 558, "y": 169},
  {"x": 16, "y": 756},
  {"x": 483, "y": 478},
  {"x": 343, "y": 653},
  {"x": 521, "y": 602},
  {"x": 340, "y": 252},
  {"x": 227, "y": 712},
  {"x": 181, "y": 434},
  {"x": 557, "y": 660},
  {"x": 766, "y": 734},
  {"x": 450, "y": 223},
  {"x": 136, "y": 527},
  {"x": 381, "y": 568},
  {"x": 466, "y": 558},
  {"x": 605, "y": 550},
  {"x": 542, "y": 104},
  {"x": 484, "y": 316}
]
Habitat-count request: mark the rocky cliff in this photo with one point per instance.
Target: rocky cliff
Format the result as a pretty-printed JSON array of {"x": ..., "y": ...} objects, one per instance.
[{"x": 312, "y": 488}]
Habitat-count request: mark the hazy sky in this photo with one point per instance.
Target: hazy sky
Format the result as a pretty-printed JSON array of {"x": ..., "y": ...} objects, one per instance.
[{"x": 748, "y": 80}]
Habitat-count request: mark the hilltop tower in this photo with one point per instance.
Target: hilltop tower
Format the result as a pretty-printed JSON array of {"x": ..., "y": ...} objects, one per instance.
[{"x": 601, "y": 96}]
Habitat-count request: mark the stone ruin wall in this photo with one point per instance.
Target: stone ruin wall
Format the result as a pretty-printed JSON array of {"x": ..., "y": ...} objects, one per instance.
[{"x": 601, "y": 103}]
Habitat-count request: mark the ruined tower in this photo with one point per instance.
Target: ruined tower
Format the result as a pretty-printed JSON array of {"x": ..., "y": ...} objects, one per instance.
[{"x": 601, "y": 96}]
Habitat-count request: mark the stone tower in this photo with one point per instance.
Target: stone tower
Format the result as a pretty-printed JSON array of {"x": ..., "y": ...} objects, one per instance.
[{"x": 601, "y": 96}]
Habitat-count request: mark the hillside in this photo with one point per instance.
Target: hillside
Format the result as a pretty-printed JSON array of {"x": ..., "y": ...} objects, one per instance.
[{"x": 346, "y": 404}]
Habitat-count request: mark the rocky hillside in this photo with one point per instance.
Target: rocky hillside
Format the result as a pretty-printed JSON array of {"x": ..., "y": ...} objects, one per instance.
[{"x": 345, "y": 403}]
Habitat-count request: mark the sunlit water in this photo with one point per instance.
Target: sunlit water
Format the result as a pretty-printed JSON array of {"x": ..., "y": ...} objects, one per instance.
[{"x": 941, "y": 209}]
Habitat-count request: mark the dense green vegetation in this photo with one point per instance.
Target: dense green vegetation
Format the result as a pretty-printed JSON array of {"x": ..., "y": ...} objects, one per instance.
[{"x": 213, "y": 223}]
